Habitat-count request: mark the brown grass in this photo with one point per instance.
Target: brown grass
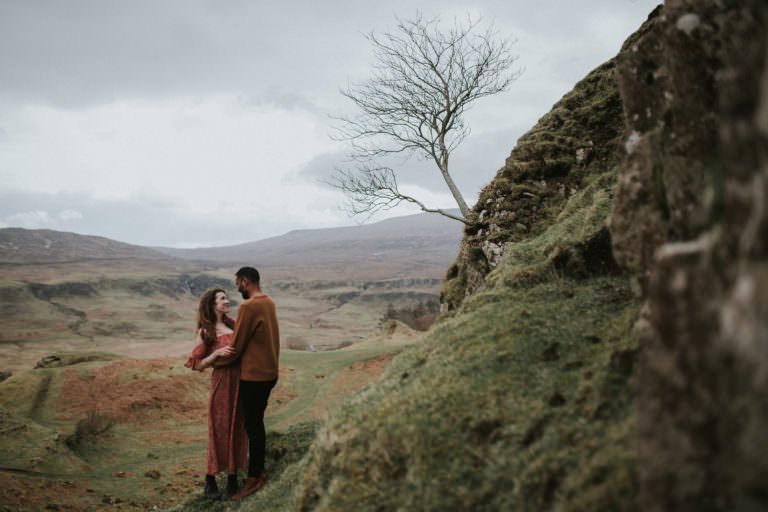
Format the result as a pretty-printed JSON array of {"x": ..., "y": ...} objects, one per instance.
[{"x": 126, "y": 391}]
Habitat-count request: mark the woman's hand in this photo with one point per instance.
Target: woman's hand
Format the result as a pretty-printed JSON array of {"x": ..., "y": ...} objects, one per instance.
[{"x": 224, "y": 351}]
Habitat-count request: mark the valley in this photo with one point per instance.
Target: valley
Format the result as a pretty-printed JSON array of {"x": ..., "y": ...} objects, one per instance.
[{"x": 143, "y": 314}]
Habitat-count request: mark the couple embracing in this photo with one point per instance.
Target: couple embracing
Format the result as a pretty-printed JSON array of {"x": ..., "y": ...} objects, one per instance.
[{"x": 244, "y": 355}]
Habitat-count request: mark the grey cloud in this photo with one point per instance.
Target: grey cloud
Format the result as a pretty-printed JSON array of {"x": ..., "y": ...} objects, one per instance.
[
  {"x": 84, "y": 52},
  {"x": 282, "y": 99},
  {"x": 92, "y": 51},
  {"x": 320, "y": 169}
]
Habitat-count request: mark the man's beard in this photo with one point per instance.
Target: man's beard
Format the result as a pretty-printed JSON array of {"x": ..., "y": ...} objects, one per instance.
[{"x": 244, "y": 293}]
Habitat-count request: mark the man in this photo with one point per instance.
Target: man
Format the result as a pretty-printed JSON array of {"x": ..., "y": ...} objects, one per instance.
[{"x": 256, "y": 345}]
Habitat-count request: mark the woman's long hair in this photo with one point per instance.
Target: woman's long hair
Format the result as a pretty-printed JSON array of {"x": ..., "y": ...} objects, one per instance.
[{"x": 206, "y": 316}]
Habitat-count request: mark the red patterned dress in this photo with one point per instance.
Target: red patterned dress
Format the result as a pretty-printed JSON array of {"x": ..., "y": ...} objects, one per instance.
[{"x": 227, "y": 439}]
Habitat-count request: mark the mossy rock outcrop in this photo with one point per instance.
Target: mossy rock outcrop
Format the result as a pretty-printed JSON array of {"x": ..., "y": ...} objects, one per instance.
[{"x": 579, "y": 142}]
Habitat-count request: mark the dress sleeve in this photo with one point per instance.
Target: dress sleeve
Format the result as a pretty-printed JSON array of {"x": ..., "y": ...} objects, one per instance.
[{"x": 200, "y": 352}]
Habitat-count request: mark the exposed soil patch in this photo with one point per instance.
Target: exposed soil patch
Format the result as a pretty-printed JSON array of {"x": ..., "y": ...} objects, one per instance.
[
  {"x": 141, "y": 392},
  {"x": 176, "y": 437},
  {"x": 132, "y": 391},
  {"x": 28, "y": 492},
  {"x": 279, "y": 397},
  {"x": 371, "y": 367}
]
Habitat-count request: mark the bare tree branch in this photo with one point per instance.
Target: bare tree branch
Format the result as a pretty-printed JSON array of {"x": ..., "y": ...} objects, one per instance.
[
  {"x": 370, "y": 189},
  {"x": 424, "y": 79}
]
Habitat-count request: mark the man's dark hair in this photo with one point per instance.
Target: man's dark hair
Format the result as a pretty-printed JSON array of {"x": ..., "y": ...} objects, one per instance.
[{"x": 249, "y": 273}]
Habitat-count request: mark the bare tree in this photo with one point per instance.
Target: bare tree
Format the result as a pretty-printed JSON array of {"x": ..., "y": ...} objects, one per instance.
[{"x": 424, "y": 80}]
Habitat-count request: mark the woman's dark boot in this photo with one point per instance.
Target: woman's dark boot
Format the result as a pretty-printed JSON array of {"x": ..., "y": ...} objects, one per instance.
[
  {"x": 232, "y": 486},
  {"x": 211, "y": 490}
]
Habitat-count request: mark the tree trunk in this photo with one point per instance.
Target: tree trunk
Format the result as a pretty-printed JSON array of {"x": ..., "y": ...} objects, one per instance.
[
  {"x": 443, "y": 165},
  {"x": 465, "y": 211}
]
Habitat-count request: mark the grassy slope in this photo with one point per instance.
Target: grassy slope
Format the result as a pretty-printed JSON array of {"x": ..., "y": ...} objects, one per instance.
[{"x": 520, "y": 401}]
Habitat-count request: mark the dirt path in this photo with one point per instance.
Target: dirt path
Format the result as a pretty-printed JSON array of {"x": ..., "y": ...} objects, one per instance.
[{"x": 41, "y": 396}]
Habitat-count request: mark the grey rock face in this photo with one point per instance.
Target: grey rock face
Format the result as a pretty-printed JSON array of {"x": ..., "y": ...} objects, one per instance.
[{"x": 690, "y": 222}]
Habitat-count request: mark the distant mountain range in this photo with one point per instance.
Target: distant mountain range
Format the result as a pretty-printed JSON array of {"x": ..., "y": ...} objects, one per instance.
[
  {"x": 424, "y": 243},
  {"x": 387, "y": 237},
  {"x": 18, "y": 245}
]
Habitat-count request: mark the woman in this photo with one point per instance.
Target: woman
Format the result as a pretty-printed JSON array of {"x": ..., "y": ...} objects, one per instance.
[{"x": 227, "y": 439}]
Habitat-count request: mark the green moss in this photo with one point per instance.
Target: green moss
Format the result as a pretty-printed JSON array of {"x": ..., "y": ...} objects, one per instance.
[
  {"x": 513, "y": 404},
  {"x": 476, "y": 254},
  {"x": 582, "y": 218}
]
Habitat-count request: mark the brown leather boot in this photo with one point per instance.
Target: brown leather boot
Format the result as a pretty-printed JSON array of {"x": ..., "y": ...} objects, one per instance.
[{"x": 250, "y": 486}]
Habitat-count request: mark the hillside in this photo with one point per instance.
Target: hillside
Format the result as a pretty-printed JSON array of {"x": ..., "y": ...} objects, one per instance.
[
  {"x": 28, "y": 246},
  {"x": 625, "y": 243},
  {"x": 421, "y": 244}
]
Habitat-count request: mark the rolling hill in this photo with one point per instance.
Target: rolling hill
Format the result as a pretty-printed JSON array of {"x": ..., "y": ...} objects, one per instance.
[
  {"x": 421, "y": 245},
  {"x": 24, "y": 246},
  {"x": 424, "y": 242}
]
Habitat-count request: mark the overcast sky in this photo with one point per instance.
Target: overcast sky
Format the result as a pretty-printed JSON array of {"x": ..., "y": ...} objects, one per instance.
[{"x": 196, "y": 123}]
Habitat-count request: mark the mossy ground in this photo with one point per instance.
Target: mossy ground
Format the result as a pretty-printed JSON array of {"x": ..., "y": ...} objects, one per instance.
[
  {"x": 564, "y": 247},
  {"x": 521, "y": 402}
]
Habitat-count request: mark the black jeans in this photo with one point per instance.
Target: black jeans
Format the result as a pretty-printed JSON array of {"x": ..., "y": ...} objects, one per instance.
[{"x": 253, "y": 400}]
